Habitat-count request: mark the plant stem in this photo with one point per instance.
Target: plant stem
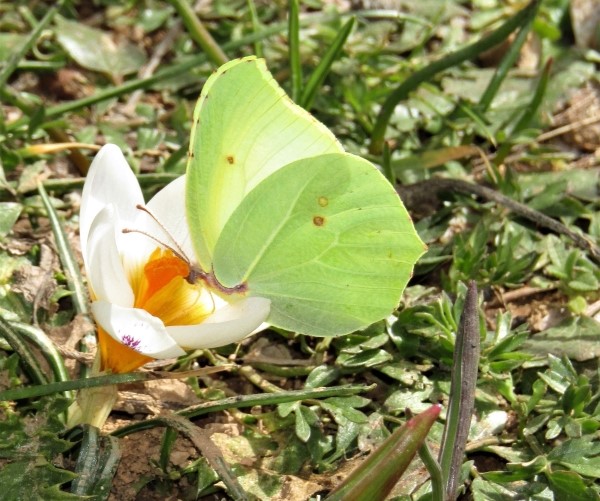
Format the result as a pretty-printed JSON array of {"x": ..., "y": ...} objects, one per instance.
[
  {"x": 294, "y": 49},
  {"x": 199, "y": 33},
  {"x": 435, "y": 473},
  {"x": 465, "y": 366}
]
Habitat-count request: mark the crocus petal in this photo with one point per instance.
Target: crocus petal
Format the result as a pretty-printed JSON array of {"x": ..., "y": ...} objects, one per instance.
[
  {"x": 168, "y": 208},
  {"x": 168, "y": 205},
  {"x": 229, "y": 324},
  {"x": 137, "y": 329},
  {"x": 110, "y": 180},
  {"x": 104, "y": 267}
]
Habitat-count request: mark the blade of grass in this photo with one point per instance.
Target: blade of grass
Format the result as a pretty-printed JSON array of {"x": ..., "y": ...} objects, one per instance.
[
  {"x": 64, "y": 185},
  {"x": 48, "y": 349},
  {"x": 507, "y": 62},
  {"x": 425, "y": 74},
  {"x": 294, "y": 49},
  {"x": 241, "y": 401},
  {"x": 75, "y": 384},
  {"x": 74, "y": 279},
  {"x": 258, "y": 49},
  {"x": 528, "y": 114},
  {"x": 28, "y": 43},
  {"x": 386, "y": 164},
  {"x": 166, "y": 446},
  {"x": 31, "y": 365},
  {"x": 322, "y": 70},
  {"x": 199, "y": 33},
  {"x": 465, "y": 364}
]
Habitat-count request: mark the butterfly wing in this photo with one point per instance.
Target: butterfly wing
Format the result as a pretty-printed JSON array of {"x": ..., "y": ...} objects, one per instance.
[
  {"x": 326, "y": 239},
  {"x": 245, "y": 128}
]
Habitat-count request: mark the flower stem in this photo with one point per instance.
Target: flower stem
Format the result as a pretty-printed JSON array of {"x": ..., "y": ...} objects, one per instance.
[{"x": 93, "y": 405}]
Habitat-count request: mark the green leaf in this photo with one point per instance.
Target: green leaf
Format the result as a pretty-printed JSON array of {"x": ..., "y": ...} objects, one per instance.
[
  {"x": 294, "y": 49},
  {"x": 9, "y": 213},
  {"x": 518, "y": 471},
  {"x": 96, "y": 464},
  {"x": 327, "y": 59},
  {"x": 321, "y": 375},
  {"x": 580, "y": 455},
  {"x": 569, "y": 485},
  {"x": 346, "y": 407},
  {"x": 303, "y": 416},
  {"x": 366, "y": 358},
  {"x": 95, "y": 49}
]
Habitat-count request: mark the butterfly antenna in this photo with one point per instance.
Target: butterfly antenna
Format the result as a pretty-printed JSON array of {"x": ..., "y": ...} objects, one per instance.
[
  {"x": 166, "y": 232},
  {"x": 178, "y": 254}
]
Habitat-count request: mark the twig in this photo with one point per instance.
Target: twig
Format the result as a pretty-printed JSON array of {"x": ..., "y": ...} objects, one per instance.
[
  {"x": 523, "y": 292},
  {"x": 559, "y": 131},
  {"x": 209, "y": 451},
  {"x": 148, "y": 69},
  {"x": 257, "y": 380},
  {"x": 413, "y": 195}
]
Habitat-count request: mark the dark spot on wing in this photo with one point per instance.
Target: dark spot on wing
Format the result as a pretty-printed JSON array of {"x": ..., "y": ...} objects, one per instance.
[
  {"x": 318, "y": 220},
  {"x": 230, "y": 159}
]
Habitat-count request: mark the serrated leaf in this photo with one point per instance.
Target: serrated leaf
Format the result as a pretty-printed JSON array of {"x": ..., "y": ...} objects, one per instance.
[
  {"x": 39, "y": 481},
  {"x": 581, "y": 455}
]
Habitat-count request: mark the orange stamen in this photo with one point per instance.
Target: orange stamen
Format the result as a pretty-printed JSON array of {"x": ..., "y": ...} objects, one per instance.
[
  {"x": 162, "y": 267},
  {"x": 160, "y": 288}
]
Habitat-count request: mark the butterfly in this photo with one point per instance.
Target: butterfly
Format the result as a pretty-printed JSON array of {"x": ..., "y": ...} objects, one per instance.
[{"x": 277, "y": 209}]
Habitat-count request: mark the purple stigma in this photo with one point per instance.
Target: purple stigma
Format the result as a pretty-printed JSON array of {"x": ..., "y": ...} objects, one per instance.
[{"x": 131, "y": 342}]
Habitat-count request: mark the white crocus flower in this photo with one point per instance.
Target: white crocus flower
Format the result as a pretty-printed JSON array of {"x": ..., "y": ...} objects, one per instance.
[{"x": 144, "y": 306}]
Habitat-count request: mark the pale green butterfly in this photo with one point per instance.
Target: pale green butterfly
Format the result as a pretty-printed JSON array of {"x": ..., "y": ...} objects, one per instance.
[{"x": 277, "y": 209}]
